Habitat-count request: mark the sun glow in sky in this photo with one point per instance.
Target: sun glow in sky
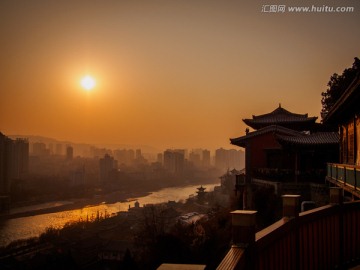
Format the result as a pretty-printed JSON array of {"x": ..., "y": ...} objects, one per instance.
[
  {"x": 173, "y": 73},
  {"x": 88, "y": 82}
]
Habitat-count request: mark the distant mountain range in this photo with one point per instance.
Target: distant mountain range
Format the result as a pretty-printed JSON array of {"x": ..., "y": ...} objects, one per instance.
[
  {"x": 82, "y": 146},
  {"x": 42, "y": 139}
]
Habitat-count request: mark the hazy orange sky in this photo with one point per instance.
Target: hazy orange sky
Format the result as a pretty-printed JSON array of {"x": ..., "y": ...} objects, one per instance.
[{"x": 169, "y": 73}]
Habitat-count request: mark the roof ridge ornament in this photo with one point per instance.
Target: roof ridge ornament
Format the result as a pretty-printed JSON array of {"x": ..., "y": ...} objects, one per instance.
[{"x": 282, "y": 117}]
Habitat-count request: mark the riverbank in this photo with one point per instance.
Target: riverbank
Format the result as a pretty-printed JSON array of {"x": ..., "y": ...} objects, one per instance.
[
  {"x": 29, "y": 226},
  {"x": 109, "y": 198},
  {"x": 117, "y": 196}
]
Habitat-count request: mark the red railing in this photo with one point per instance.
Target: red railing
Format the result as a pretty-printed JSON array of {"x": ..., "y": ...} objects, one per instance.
[
  {"x": 323, "y": 238},
  {"x": 345, "y": 176}
]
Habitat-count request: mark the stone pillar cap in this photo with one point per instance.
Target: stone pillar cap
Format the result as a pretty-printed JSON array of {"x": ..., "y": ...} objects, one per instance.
[
  {"x": 243, "y": 218},
  {"x": 244, "y": 212}
]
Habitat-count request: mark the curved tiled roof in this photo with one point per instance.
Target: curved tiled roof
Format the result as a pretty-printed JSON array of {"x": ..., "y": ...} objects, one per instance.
[
  {"x": 320, "y": 138},
  {"x": 289, "y": 136},
  {"x": 240, "y": 141},
  {"x": 277, "y": 117}
]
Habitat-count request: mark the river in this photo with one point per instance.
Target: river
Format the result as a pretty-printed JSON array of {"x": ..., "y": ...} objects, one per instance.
[{"x": 32, "y": 226}]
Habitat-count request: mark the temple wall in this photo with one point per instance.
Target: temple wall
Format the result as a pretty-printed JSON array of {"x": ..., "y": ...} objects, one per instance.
[
  {"x": 350, "y": 141},
  {"x": 258, "y": 144},
  {"x": 357, "y": 131}
]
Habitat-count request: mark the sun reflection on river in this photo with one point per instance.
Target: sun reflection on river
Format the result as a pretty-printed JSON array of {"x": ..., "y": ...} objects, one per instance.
[{"x": 20, "y": 228}]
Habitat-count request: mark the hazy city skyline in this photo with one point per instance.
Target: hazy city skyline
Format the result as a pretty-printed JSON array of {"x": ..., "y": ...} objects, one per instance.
[{"x": 169, "y": 74}]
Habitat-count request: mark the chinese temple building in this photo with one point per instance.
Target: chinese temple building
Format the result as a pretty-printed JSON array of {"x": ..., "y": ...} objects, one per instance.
[
  {"x": 201, "y": 193},
  {"x": 325, "y": 237},
  {"x": 287, "y": 147},
  {"x": 346, "y": 115}
]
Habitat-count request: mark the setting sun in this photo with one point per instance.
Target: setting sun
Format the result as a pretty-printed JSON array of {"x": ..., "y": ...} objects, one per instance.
[{"x": 88, "y": 82}]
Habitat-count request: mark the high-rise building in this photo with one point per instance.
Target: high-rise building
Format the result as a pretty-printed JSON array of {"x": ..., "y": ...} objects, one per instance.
[
  {"x": 229, "y": 159},
  {"x": 120, "y": 155},
  {"x": 160, "y": 158},
  {"x": 106, "y": 164},
  {"x": 77, "y": 177},
  {"x": 69, "y": 152},
  {"x": 174, "y": 160},
  {"x": 139, "y": 158},
  {"x": 130, "y": 156},
  {"x": 14, "y": 161},
  {"x": 20, "y": 158},
  {"x": 4, "y": 173},
  {"x": 39, "y": 149},
  {"x": 124, "y": 156},
  {"x": 4, "y": 164},
  {"x": 138, "y": 154},
  {"x": 195, "y": 158},
  {"x": 51, "y": 148},
  {"x": 206, "y": 158},
  {"x": 58, "y": 150}
]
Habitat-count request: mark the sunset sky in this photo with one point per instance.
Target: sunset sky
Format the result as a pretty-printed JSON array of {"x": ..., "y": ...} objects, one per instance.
[{"x": 169, "y": 73}]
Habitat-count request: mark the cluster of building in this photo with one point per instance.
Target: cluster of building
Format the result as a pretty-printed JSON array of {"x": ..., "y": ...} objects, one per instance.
[
  {"x": 37, "y": 162},
  {"x": 172, "y": 162},
  {"x": 40, "y": 149},
  {"x": 172, "y": 159},
  {"x": 14, "y": 164}
]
